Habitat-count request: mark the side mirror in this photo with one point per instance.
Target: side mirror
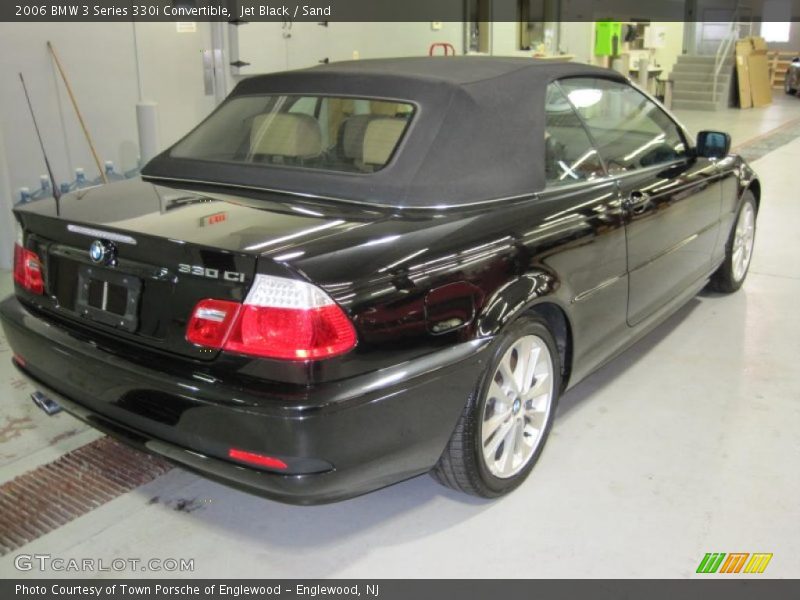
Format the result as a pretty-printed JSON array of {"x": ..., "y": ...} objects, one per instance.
[{"x": 713, "y": 144}]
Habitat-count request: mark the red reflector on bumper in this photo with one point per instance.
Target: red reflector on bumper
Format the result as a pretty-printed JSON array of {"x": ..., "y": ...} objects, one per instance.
[{"x": 257, "y": 459}]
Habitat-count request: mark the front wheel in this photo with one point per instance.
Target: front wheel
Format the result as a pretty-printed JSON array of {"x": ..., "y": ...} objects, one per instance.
[
  {"x": 504, "y": 426},
  {"x": 739, "y": 250}
]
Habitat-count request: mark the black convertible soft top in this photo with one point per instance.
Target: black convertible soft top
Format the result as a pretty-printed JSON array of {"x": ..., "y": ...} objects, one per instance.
[{"x": 477, "y": 134}]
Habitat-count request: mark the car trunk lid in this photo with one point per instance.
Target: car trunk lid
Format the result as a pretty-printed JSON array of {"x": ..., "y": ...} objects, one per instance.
[{"x": 161, "y": 251}]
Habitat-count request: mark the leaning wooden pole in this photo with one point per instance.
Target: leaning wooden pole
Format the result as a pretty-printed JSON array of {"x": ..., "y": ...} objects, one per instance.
[{"x": 77, "y": 111}]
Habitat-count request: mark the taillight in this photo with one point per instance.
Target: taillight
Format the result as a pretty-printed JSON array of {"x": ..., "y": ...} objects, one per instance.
[
  {"x": 211, "y": 321},
  {"x": 28, "y": 270},
  {"x": 280, "y": 318}
]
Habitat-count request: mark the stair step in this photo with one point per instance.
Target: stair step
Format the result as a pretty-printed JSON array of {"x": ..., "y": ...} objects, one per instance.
[
  {"x": 698, "y": 77},
  {"x": 695, "y": 86},
  {"x": 696, "y": 105},
  {"x": 696, "y": 58},
  {"x": 678, "y": 71},
  {"x": 701, "y": 59},
  {"x": 703, "y": 95},
  {"x": 704, "y": 69}
]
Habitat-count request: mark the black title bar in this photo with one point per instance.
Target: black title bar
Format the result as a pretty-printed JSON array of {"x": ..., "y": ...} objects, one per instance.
[
  {"x": 239, "y": 11},
  {"x": 394, "y": 589}
]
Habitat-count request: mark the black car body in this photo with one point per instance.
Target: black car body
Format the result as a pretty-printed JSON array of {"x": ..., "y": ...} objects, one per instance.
[
  {"x": 791, "y": 80},
  {"x": 473, "y": 220}
]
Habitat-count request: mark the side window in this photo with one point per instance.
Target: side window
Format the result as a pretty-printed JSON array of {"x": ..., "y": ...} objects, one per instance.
[
  {"x": 569, "y": 155},
  {"x": 630, "y": 130}
]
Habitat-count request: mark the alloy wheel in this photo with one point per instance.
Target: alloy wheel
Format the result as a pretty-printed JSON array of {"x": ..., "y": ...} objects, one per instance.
[
  {"x": 517, "y": 407},
  {"x": 743, "y": 240}
]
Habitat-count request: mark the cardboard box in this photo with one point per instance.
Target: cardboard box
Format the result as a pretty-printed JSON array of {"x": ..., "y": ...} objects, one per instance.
[
  {"x": 752, "y": 72},
  {"x": 759, "y": 44},
  {"x": 760, "y": 88},
  {"x": 758, "y": 65},
  {"x": 743, "y": 48}
]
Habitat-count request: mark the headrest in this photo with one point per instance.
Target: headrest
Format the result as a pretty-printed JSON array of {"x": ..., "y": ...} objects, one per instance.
[
  {"x": 286, "y": 134},
  {"x": 353, "y": 131},
  {"x": 381, "y": 138}
]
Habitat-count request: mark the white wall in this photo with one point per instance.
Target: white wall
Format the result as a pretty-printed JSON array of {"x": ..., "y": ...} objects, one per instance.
[
  {"x": 172, "y": 76},
  {"x": 384, "y": 40},
  {"x": 99, "y": 60},
  {"x": 6, "y": 224},
  {"x": 269, "y": 47},
  {"x": 792, "y": 45},
  {"x": 667, "y": 56},
  {"x": 100, "y": 67},
  {"x": 504, "y": 38},
  {"x": 577, "y": 38}
]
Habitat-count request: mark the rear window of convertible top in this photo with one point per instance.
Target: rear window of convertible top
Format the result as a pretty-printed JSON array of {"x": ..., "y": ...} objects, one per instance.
[{"x": 316, "y": 132}]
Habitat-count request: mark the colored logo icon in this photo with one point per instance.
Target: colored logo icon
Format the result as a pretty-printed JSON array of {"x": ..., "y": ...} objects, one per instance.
[{"x": 734, "y": 562}]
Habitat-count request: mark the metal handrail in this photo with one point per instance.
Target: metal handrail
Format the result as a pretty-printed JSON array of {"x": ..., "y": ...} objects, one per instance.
[{"x": 723, "y": 52}]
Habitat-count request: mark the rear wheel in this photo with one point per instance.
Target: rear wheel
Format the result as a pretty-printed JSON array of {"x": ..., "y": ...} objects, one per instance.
[
  {"x": 739, "y": 250},
  {"x": 505, "y": 424}
]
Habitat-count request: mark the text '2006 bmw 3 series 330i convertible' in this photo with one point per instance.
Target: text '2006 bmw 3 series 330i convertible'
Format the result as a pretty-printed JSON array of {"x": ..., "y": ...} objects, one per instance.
[{"x": 354, "y": 274}]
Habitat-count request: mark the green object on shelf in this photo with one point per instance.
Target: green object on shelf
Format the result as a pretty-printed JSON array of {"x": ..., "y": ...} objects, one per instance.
[{"x": 608, "y": 36}]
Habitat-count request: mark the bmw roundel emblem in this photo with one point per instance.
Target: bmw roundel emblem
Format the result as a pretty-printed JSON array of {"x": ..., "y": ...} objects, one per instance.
[{"x": 101, "y": 252}]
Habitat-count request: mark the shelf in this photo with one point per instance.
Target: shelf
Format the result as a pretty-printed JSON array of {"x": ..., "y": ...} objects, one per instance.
[{"x": 779, "y": 61}]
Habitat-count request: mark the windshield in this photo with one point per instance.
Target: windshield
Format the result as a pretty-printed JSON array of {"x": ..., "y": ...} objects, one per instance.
[{"x": 315, "y": 132}]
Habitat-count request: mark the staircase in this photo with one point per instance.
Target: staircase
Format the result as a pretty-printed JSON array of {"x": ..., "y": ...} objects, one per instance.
[{"x": 693, "y": 82}]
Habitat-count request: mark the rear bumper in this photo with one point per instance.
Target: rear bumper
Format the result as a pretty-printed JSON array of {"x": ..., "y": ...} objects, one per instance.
[{"x": 339, "y": 439}]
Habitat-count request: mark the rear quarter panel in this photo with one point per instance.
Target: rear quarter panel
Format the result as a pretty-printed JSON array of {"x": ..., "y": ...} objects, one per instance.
[{"x": 565, "y": 247}]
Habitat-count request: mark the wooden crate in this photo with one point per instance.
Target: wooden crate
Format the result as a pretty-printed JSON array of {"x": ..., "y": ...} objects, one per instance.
[{"x": 779, "y": 61}]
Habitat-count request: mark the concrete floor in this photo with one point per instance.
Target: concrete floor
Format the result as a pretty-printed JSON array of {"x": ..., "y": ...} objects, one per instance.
[
  {"x": 743, "y": 125},
  {"x": 686, "y": 444}
]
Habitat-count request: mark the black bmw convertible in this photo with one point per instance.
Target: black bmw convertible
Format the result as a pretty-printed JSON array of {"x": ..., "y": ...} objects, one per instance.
[{"x": 354, "y": 274}]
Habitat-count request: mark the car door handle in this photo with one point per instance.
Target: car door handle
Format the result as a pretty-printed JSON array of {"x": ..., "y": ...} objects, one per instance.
[{"x": 637, "y": 201}]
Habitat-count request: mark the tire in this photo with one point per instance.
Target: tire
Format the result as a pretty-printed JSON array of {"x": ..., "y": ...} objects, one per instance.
[
  {"x": 733, "y": 271},
  {"x": 464, "y": 465}
]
